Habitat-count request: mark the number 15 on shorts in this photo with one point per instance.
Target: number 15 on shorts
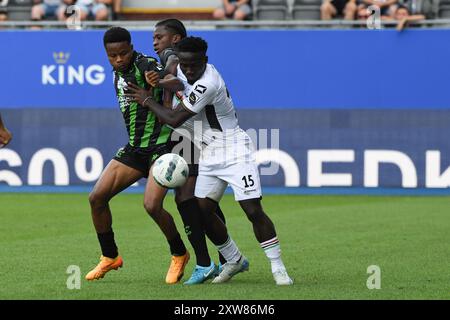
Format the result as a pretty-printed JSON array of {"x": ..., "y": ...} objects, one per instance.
[{"x": 248, "y": 181}]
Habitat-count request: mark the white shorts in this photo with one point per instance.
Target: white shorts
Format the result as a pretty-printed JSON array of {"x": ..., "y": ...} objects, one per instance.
[{"x": 243, "y": 177}]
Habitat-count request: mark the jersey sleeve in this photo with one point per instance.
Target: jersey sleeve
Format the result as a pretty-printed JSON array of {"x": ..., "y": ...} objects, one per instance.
[
  {"x": 164, "y": 56},
  {"x": 150, "y": 64},
  {"x": 201, "y": 95}
]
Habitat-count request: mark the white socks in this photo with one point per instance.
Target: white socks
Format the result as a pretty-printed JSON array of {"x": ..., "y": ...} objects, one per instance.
[
  {"x": 230, "y": 251},
  {"x": 271, "y": 247},
  {"x": 273, "y": 252}
]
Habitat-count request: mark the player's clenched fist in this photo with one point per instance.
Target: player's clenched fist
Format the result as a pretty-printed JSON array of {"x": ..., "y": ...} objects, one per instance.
[{"x": 152, "y": 78}]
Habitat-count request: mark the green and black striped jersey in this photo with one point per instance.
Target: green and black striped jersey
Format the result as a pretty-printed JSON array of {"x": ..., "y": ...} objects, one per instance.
[{"x": 144, "y": 129}]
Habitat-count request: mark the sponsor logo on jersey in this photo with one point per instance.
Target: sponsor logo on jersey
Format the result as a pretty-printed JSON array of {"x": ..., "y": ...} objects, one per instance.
[
  {"x": 200, "y": 89},
  {"x": 122, "y": 86},
  {"x": 120, "y": 153},
  {"x": 193, "y": 98}
]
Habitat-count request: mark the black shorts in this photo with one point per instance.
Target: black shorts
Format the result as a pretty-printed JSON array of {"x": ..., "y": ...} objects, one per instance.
[
  {"x": 139, "y": 159},
  {"x": 193, "y": 169},
  {"x": 191, "y": 157}
]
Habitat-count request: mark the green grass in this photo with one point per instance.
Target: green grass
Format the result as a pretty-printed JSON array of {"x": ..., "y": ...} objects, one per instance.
[{"x": 327, "y": 242}]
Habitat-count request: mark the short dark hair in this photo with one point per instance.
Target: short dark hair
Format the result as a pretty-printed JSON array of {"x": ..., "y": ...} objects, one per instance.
[
  {"x": 116, "y": 34},
  {"x": 192, "y": 44},
  {"x": 174, "y": 25}
]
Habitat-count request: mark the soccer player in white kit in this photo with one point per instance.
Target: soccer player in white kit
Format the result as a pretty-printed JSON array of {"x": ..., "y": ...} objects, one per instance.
[{"x": 227, "y": 156}]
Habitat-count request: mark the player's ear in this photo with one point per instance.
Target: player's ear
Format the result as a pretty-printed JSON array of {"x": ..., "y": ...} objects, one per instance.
[
  {"x": 131, "y": 47},
  {"x": 176, "y": 38}
]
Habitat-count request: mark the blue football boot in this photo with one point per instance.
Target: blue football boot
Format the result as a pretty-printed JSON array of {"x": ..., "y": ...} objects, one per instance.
[{"x": 201, "y": 274}]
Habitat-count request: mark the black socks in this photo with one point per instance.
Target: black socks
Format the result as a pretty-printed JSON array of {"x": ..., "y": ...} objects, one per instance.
[
  {"x": 219, "y": 213},
  {"x": 107, "y": 244},
  {"x": 190, "y": 214},
  {"x": 176, "y": 245}
]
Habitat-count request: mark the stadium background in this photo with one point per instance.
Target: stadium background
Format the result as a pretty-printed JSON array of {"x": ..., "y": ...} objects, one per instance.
[
  {"x": 369, "y": 108},
  {"x": 360, "y": 100}
]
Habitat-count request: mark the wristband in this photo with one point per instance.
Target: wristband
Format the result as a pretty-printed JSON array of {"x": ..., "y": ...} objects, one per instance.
[{"x": 145, "y": 100}]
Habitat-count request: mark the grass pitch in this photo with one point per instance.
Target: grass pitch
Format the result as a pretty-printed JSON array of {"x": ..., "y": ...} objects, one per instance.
[{"x": 328, "y": 242}]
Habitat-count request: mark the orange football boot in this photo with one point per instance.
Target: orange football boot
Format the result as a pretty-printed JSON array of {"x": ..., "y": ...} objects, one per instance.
[
  {"x": 106, "y": 264},
  {"x": 176, "y": 269}
]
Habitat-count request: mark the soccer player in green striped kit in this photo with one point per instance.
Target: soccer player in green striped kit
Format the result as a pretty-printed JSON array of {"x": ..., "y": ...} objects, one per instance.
[{"x": 148, "y": 139}]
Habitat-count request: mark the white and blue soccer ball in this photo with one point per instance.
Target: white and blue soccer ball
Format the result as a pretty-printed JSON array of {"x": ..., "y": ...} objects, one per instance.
[{"x": 170, "y": 170}]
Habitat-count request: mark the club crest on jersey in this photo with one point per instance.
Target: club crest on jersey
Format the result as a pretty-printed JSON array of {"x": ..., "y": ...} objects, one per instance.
[
  {"x": 200, "y": 89},
  {"x": 121, "y": 84},
  {"x": 193, "y": 98}
]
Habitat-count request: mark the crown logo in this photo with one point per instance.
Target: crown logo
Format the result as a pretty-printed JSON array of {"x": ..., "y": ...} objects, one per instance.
[{"x": 61, "y": 57}]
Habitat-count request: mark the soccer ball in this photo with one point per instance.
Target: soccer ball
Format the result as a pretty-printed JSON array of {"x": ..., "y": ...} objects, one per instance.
[{"x": 170, "y": 171}]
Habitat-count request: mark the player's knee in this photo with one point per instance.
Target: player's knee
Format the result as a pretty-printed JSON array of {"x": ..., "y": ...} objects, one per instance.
[
  {"x": 153, "y": 209},
  {"x": 179, "y": 199},
  {"x": 185, "y": 192},
  {"x": 181, "y": 196},
  {"x": 254, "y": 214},
  {"x": 97, "y": 200}
]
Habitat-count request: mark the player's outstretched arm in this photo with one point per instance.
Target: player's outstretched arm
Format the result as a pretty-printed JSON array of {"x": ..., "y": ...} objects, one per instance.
[
  {"x": 171, "y": 117},
  {"x": 5, "y": 135},
  {"x": 170, "y": 82}
]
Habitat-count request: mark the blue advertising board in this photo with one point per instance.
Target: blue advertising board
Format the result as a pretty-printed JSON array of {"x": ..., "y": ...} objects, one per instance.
[
  {"x": 263, "y": 69},
  {"x": 307, "y": 148}
]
